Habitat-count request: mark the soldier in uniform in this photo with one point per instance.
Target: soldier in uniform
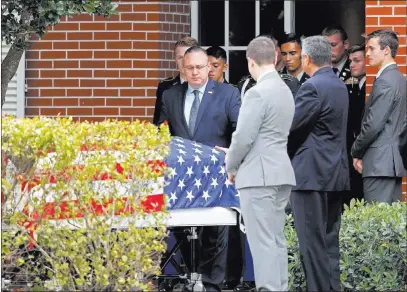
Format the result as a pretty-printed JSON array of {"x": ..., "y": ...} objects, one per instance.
[
  {"x": 357, "y": 95},
  {"x": 338, "y": 38},
  {"x": 291, "y": 53},
  {"x": 218, "y": 63},
  {"x": 179, "y": 49}
]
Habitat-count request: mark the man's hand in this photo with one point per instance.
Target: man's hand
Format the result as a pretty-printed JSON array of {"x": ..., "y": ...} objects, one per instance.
[
  {"x": 231, "y": 178},
  {"x": 223, "y": 149},
  {"x": 358, "y": 165}
]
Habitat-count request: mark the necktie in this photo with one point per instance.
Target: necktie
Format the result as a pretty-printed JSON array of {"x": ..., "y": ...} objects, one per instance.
[
  {"x": 194, "y": 113},
  {"x": 336, "y": 71}
]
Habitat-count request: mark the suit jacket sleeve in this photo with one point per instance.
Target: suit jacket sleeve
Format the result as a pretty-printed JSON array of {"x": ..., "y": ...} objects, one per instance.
[
  {"x": 378, "y": 112},
  {"x": 403, "y": 143},
  {"x": 163, "y": 109},
  {"x": 307, "y": 110},
  {"x": 234, "y": 108},
  {"x": 250, "y": 119},
  {"x": 158, "y": 103}
]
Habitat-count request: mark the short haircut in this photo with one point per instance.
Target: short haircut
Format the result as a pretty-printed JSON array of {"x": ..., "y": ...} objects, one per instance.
[
  {"x": 335, "y": 29},
  {"x": 387, "y": 38},
  {"x": 318, "y": 49},
  {"x": 357, "y": 48},
  {"x": 292, "y": 38},
  {"x": 186, "y": 42},
  {"x": 262, "y": 51},
  {"x": 195, "y": 49},
  {"x": 217, "y": 52}
]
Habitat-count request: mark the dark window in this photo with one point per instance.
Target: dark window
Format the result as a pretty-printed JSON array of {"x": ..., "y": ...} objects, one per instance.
[
  {"x": 237, "y": 66},
  {"x": 212, "y": 23},
  {"x": 271, "y": 17},
  {"x": 242, "y": 25}
]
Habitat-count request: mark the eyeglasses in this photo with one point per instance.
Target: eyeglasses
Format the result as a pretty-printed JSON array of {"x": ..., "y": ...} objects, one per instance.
[{"x": 197, "y": 67}]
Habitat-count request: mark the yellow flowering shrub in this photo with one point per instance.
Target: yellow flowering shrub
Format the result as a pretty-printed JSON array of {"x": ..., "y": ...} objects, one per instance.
[{"x": 75, "y": 210}]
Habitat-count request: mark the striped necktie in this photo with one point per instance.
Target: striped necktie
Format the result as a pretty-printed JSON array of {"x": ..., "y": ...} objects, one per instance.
[{"x": 194, "y": 113}]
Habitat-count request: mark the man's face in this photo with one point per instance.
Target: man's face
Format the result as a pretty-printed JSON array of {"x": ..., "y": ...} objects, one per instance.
[
  {"x": 196, "y": 69},
  {"x": 338, "y": 48},
  {"x": 216, "y": 68},
  {"x": 179, "y": 57},
  {"x": 357, "y": 64},
  {"x": 375, "y": 55},
  {"x": 291, "y": 54}
]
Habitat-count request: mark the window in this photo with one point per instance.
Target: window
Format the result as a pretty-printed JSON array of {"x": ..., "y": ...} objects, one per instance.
[{"x": 233, "y": 24}]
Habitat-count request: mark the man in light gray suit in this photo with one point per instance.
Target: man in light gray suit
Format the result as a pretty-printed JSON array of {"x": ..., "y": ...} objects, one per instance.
[
  {"x": 375, "y": 151},
  {"x": 257, "y": 159}
]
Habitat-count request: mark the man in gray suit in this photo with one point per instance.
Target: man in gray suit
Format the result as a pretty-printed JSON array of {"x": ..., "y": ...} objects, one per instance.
[
  {"x": 257, "y": 159},
  {"x": 375, "y": 150},
  {"x": 317, "y": 145}
]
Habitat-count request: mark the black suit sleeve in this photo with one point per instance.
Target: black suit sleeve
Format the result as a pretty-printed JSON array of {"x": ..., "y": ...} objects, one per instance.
[
  {"x": 307, "y": 110},
  {"x": 163, "y": 116},
  {"x": 158, "y": 102},
  {"x": 378, "y": 112},
  {"x": 234, "y": 107},
  {"x": 403, "y": 143}
]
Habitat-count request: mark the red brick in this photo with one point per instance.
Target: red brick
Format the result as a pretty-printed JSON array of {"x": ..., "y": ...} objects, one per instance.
[
  {"x": 119, "y": 45},
  {"x": 132, "y": 92},
  {"x": 39, "y": 101},
  {"x": 119, "y": 64},
  {"x": 144, "y": 101},
  {"x": 32, "y": 92},
  {"x": 65, "y": 102},
  {"x": 132, "y": 111},
  {"x": 106, "y": 92},
  {"x": 81, "y": 17},
  {"x": 119, "y": 26},
  {"x": 52, "y": 73},
  {"x": 79, "y": 73},
  {"x": 124, "y": 7},
  {"x": 92, "y": 45},
  {"x": 52, "y": 92},
  {"x": 92, "y": 119},
  {"x": 148, "y": 7},
  {"x": 39, "y": 64},
  {"x": 402, "y": 68},
  {"x": 66, "y": 26},
  {"x": 79, "y": 92},
  {"x": 118, "y": 101},
  {"x": 53, "y": 54},
  {"x": 132, "y": 54},
  {"x": 153, "y": 74},
  {"x": 111, "y": 18},
  {"x": 371, "y": 3},
  {"x": 400, "y": 11},
  {"x": 40, "y": 45},
  {"x": 145, "y": 45},
  {"x": 392, "y": 20},
  {"x": 32, "y": 111},
  {"x": 80, "y": 55},
  {"x": 108, "y": 111},
  {"x": 52, "y": 36},
  {"x": 151, "y": 92},
  {"x": 145, "y": 82},
  {"x": 66, "y": 82},
  {"x": 378, "y": 11},
  {"x": 153, "y": 36},
  {"x": 106, "y": 35},
  {"x": 153, "y": 17},
  {"x": 93, "y": 26},
  {"x": 92, "y": 64},
  {"x": 402, "y": 51},
  {"x": 150, "y": 111},
  {"x": 92, "y": 83},
  {"x": 133, "y": 35},
  {"x": 370, "y": 29},
  {"x": 390, "y": 2},
  {"x": 106, "y": 73},
  {"x": 145, "y": 64},
  {"x": 142, "y": 26},
  {"x": 153, "y": 55},
  {"x": 80, "y": 111},
  {"x": 132, "y": 74},
  {"x": 32, "y": 55},
  {"x": 79, "y": 35},
  {"x": 66, "y": 64},
  {"x": 118, "y": 83},
  {"x": 400, "y": 30},
  {"x": 372, "y": 21},
  {"x": 92, "y": 102},
  {"x": 39, "y": 82},
  {"x": 32, "y": 73},
  {"x": 66, "y": 45},
  {"x": 106, "y": 54},
  {"x": 52, "y": 111},
  {"x": 133, "y": 17}
]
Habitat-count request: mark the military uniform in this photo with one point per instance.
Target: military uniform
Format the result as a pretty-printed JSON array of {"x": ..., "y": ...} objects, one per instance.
[
  {"x": 304, "y": 76},
  {"x": 162, "y": 86},
  {"x": 345, "y": 73}
]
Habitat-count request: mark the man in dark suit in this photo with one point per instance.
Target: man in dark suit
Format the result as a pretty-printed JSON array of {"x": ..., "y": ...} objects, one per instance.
[
  {"x": 179, "y": 50},
  {"x": 357, "y": 94},
  {"x": 375, "y": 150},
  {"x": 204, "y": 111},
  {"x": 403, "y": 143},
  {"x": 338, "y": 38},
  {"x": 317, "y": 145},
  {"x": 291, "y": 53}
]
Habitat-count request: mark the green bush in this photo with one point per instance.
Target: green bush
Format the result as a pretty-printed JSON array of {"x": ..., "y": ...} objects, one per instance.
[{"x": 373, "y": 246}]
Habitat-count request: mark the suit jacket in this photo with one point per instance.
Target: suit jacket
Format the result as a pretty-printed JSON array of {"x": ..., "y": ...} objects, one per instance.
[
  {"x": 317, "y": 141},
  {"x": 385, "y": 111},
  {"x": 403, "y": 143},
  {"x": 357, "y": 97},
  {"x": 162, "y": 86},
  {"x": 217, "y": 114},
  {"x": 258, "y": 153}
]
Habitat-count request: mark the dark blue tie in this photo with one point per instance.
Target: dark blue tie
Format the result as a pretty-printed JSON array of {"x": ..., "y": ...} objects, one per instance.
[{"x": 194, "y": 113}]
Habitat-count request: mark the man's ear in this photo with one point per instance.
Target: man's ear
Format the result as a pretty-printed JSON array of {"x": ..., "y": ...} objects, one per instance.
[
  {"x": 225, "y": 67},
  {"x": 346, "y": 44}
]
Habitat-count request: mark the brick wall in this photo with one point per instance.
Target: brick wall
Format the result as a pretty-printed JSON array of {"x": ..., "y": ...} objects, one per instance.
[
  {"x": 386, "y": 14},
  {"x": 93, "y": 68}
]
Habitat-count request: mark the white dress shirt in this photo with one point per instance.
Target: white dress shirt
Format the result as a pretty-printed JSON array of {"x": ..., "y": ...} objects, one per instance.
[
  {"x": 340, "y": 66},
  {"x": 190, "y": 97}
]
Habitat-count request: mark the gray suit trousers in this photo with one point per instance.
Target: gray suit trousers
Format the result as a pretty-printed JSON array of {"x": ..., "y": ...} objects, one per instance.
[
  {"x": 382, "y": 189},
  {"x": 263, "y": 210}
]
